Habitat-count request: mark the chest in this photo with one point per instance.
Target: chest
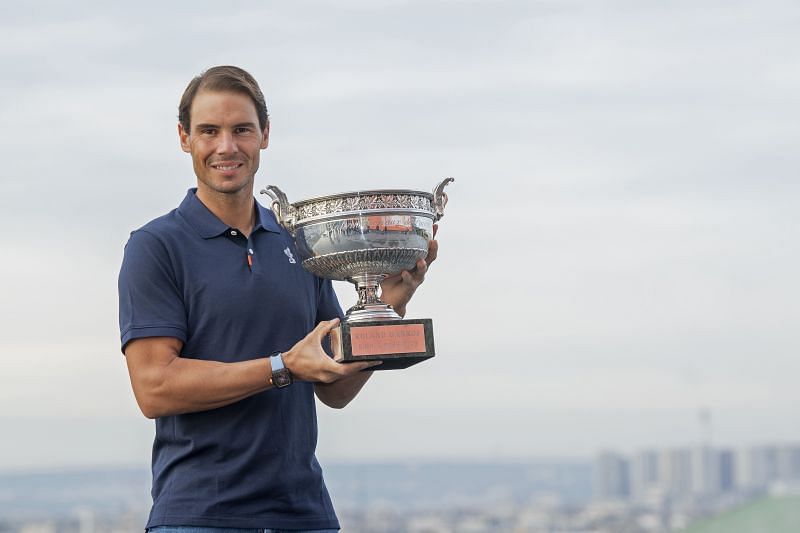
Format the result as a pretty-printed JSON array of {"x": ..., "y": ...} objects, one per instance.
[{"x": 239, "y": 289}]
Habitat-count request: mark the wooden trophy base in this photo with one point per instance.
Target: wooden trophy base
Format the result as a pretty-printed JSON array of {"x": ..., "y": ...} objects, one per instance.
[{"x": 397, "y": 343}]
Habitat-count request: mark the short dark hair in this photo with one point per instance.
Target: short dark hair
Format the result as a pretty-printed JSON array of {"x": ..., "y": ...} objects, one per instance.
[{"x": 223, "y": 78}]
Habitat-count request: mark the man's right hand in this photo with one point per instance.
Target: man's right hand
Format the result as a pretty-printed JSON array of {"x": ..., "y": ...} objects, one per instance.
[{"x": 307, "y": 361}]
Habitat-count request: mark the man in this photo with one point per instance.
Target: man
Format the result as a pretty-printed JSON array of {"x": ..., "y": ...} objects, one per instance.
[{"x": 212, "y": 308}]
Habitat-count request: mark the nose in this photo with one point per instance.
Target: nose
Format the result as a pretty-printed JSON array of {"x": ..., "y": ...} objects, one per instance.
[{"x": 227, "y": 143}]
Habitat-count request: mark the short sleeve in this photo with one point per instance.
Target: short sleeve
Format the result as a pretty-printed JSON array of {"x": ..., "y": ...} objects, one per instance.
[{"x": 150, "y": 301}]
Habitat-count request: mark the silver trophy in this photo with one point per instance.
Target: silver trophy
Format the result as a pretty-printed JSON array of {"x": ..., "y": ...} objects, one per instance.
[{"x": 363, "y": 237}]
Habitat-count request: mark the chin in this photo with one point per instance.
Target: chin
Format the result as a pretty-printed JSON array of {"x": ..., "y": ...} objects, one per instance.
[{"x": 228, "y": 186}]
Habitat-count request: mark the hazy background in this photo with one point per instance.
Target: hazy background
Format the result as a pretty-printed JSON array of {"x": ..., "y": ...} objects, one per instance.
[{"x": 619, "y": 252}]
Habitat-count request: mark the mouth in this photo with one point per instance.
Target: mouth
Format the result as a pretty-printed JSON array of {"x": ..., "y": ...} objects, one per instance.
[{"x": 226, "y": 166}]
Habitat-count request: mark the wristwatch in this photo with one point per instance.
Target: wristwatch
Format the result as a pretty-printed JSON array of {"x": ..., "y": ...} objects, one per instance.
[{"x": 281, "y": 377}]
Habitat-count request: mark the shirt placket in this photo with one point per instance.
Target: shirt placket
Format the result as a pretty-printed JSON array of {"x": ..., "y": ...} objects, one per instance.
[
  {"x": 251, "y": 254},
  {"x": 240, "y": 239}
]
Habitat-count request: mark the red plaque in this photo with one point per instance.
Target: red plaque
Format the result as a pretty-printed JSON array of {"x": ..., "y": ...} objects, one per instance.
[{"x": 378, "y": 340}]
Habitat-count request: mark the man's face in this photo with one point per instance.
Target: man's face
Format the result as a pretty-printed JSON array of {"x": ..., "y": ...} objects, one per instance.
[{"x": 225, "y": 141}]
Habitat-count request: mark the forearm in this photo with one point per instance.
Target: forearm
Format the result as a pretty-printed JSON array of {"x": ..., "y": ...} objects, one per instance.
[
  {"x": 191, "y": 385},
  {"x": 166, "y": 384},
  {"x": 339, "y": 393}
]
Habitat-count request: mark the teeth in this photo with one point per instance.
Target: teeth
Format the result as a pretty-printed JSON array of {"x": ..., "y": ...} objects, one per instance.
[{"x": 226, "y": 167}]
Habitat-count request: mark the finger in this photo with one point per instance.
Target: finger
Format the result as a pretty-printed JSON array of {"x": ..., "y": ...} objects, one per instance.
[
  {"x": 413, "y": 279},
  {"x": 433, "y": 251},
  {"x": 353, "y": 368},
  {"x": 421, "y": 269},
  {"x": 336, "y": 343},
  {"x": 394, "y": 278},
  {"x": 334, "y": 369},
  {"x": 417, "y": 274},
  {"x": 338, "y": 370},
  {"x": 325, "y": 327}
]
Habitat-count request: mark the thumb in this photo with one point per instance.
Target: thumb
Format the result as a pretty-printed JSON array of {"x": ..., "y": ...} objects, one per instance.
[{"x": 325, "y": 327}]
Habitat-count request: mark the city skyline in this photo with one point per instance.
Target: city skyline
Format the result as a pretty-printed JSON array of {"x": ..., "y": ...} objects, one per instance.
[
  {"x": 652, "y": 491},
  {"x": 689, "y": 472}
]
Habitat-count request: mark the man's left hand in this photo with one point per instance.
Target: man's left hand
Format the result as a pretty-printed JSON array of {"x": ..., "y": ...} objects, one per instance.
[{"x": 397, "y": 290}]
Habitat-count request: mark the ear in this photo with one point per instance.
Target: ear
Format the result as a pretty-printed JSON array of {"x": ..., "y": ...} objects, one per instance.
[
  {"x": 184, "y": 137},
  {"x": 265, "y": 140}
]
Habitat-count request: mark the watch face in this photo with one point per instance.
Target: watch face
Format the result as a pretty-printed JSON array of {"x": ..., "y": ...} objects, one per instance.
[{"x": 281, "y": 378}]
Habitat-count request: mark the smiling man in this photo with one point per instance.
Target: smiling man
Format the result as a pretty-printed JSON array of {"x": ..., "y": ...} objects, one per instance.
[{"x": 223, "y": 334}]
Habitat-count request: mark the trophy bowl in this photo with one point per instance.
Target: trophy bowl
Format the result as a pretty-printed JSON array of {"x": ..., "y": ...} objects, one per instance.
[{"x": 362, "y": 237}]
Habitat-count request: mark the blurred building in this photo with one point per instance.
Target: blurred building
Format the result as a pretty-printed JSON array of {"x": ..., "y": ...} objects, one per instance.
[
  {"x": 688, "y": 473},
  {"x": 675, "y": 471},
  {"x": 611, "y": 479},
  {"x": 727, "y": 476},
  {"x": 644, "y": 481},
  {"x": 709, "y": 471}
]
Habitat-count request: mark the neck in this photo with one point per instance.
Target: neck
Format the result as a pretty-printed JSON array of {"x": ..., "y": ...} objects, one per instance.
[{"x": 235, "y": 210}]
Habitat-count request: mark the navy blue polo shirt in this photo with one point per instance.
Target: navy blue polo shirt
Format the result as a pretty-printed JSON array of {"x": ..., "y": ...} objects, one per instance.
[{"x": 229, "y": 298}]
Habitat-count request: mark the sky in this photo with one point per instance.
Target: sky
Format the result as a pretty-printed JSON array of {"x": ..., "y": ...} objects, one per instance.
[{"x": 618, "y": 255}]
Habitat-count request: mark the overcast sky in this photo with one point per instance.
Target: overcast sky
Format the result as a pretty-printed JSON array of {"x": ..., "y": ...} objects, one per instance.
[{"x": 619, "y": 251}]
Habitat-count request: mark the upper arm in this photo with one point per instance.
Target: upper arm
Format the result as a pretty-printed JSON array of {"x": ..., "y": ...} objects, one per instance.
[
  {"x": 148, "y": 361},
  {"x": 151, "y": 302},
  {"x": 151, "y": 354}
]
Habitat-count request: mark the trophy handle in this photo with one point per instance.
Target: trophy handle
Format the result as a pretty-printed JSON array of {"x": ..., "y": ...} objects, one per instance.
[
  {"x": 440, "y": 198},
  {"x": 280, "y": 205}
]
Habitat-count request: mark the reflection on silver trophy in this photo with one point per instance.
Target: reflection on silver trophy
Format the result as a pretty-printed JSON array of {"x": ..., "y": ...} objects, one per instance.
[{"x": 363, "y": 237}]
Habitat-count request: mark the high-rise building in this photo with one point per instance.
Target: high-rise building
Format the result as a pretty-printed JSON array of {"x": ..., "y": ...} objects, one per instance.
[
  {"x": 727, "y": 465},
  {"x": 675, "y": 471},
  {"x": 787, "y": 464},
  {"x": 611, "y": 477},
  {"x": 757, "y": 467},
  {"x": 644, "y": 480},
  {"x": 706, "y": 475}
]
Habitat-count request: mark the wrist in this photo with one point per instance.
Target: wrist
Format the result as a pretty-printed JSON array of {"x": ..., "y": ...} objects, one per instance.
[
  {"x": 280, "y": 376},
  {"x": 288, "y": 357}
]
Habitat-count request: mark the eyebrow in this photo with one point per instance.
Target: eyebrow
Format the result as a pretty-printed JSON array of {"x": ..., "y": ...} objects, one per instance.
[{"x": 242, "y": 125}]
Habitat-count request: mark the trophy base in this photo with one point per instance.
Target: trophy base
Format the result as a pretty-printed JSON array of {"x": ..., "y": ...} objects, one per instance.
[{"x": 397, "y": 343}]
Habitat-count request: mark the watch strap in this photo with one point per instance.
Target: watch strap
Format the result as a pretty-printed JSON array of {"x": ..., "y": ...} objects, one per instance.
[{"x": 276, "y": 361}]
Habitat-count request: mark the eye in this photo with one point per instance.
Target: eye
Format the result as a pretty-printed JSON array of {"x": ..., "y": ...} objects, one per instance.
[
  {"x": 243, "y": 130},
  {"x": 208, "y": 131}
]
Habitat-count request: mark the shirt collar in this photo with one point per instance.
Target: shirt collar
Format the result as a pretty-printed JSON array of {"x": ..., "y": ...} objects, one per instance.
[
  {"x": 208, "y": 225},
  {"x": 266, "y": 219}
]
